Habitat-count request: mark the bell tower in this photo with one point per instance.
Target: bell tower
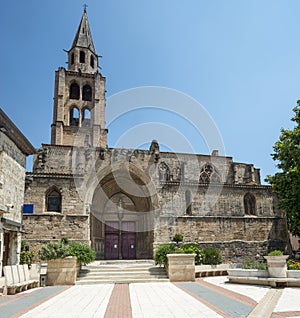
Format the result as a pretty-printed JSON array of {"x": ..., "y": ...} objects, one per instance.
[{"x": 79, "y": 95}]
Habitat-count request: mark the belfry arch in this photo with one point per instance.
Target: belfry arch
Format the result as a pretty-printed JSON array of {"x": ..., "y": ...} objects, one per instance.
[{"x": 122, "y": 210}]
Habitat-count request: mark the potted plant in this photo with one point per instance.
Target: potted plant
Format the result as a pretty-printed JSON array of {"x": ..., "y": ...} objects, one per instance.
[
  {"x": 250, "y": 268},
  {"x": 293, "y": 269},
  {"x": 64, "y": 261},
  {"x": 177, "y": 238},
  {"x": 179, "y": 261},
  {"x": 276, "y": 261}
]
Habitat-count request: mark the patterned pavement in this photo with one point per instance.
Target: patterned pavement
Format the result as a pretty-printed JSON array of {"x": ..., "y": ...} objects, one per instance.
[{"x": 209, "y": 297}]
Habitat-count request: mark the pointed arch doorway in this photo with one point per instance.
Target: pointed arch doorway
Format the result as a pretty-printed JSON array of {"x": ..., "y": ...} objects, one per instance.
[
  {"x": 122, "y": 218},
  {"x": 120, "y": 236}
]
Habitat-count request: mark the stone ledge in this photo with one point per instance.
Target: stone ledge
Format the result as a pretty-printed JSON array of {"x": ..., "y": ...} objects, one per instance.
[{"x": 273, "y": 282}]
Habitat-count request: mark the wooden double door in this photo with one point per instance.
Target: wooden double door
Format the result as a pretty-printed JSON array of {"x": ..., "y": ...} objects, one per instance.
[{"x": 120, "y": 240}]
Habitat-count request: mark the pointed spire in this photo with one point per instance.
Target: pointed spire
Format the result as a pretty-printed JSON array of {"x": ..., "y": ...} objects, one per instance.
[{"x": 83, "y": 37}]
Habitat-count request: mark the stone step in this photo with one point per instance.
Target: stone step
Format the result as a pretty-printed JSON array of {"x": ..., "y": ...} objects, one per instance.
[
  {"x": 121, "y": 281},
  {"x": 131, "y": 275},
  {"x": 101, "y": 272},
  {"x": 104, "y": 272}
]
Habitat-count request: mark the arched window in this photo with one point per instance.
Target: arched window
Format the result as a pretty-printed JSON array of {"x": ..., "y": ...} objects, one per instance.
[
  {"x": 82, "y": 57},
  {"x": 74, "y": 117},
  {"x": 74, "y": 91},
  {"x": 87, "y": 93},
  {"x": 92, "y": 61},
  {"x": 164, "y": 172},
  {"x": 249, "y": 204},
  {"x": 72, "y": 58},
  {"x": 53, "y": 200},
  {"x": 86, "y": 117},
  {"x": 188, "y": 206},
  {"x": 209, "y": 174}
]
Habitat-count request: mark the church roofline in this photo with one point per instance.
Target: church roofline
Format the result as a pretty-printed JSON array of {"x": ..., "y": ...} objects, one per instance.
[{"x": 11, "y": 130}]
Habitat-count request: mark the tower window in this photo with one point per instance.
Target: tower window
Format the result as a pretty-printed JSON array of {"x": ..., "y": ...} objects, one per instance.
[
  {"x": 82, "y": 57},
  {"x": 92, "y": 61},
  {"x": 53, "y": 200},
  {"x": 72, "y": 58},
  {"x": 87, "y": 93},
  {"x": 86, "y": 117},
  {"x": 74, "y": 117},
  {"x": 74, "y": 91},
  {"x": 250, "y": 204}
]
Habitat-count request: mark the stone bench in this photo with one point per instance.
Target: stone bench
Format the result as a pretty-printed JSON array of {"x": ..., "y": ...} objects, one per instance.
[{"x": 17, "y": 278}]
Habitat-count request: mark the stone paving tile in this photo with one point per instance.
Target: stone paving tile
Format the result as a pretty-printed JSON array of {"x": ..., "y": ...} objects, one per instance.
[
  {"x": 14, "y": 305},
  {"x": 257, "y": 293},
  {"x": 119, "y": 304},
  {"x": 158, "y": 300},
  {"x": 78, "y": 301},
  {"x": 227, "y": 292},
  {"x": 147, "y": 300},
  {"x": 231, "y": 307},
  {"x": 289, "y": 301}
]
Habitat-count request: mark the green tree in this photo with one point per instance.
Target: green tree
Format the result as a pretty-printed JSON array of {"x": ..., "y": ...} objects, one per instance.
[{"x": 286, "y": 182}]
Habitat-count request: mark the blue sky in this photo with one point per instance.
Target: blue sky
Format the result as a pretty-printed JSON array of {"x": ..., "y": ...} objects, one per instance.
[{"x": 239, "y": 59}]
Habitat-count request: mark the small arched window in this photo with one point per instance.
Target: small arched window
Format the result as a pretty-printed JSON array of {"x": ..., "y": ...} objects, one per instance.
[
  {"x": 74, "y": 91},
  {"x": 164, "y": 172},
  {"x": 72, "y": 58},
  {"x": 74, "y": 117},
  {"x": 87, "y": 93},
  {"x": 209, "y": 174},
  {"x": 53, "y": 200},
  {"x": 82, "y": 57},
  {"x": 92, "y": 61},
  {"x": 86, "y": 117},
  {"x": 188, "y": 206},
  {"x": 249, "y": 204}
]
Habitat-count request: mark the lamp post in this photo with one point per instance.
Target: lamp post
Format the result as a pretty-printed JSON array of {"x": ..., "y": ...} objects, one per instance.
[{"x": 120, "y": 217}]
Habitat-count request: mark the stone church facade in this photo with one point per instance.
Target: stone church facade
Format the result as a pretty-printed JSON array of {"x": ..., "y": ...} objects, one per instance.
[{"x": 125, "y": 202}]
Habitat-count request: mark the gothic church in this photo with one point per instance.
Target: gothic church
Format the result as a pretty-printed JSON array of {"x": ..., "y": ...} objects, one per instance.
[{"x": 126, "y": 202}]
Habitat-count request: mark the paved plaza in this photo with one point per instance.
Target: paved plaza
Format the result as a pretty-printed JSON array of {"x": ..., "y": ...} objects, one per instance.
[{"x": 209, "y": 297}]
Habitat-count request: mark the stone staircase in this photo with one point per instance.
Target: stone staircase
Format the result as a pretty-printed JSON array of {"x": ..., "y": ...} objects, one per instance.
[{"x": 121, "y": 272}]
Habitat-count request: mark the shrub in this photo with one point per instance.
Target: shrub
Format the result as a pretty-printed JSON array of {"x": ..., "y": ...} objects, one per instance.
[
  {"x": 160, "y": 257},
  {"x": 26, "y": 257},
  {"x": 275, "y": 253},
  {"x": 212, "y": 256},
  {"x": 54, "y": 250},
  {"x": 249, "y": 263},
  {"x": 84, "y": 253},
  {"x": 177, "y": 238},
  {"x": 293, "y": 265},
  {"x": 194, "y": 249}
]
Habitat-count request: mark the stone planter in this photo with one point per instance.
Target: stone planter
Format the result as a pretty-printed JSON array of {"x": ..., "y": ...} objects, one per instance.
[
  {"x": 277, "y": 266},
  {"x": 238, "y": 272},
  {"x": 181, "y": 267},
  {"x": 62, "y": 271},
  {"x": 293, "y": 274}
]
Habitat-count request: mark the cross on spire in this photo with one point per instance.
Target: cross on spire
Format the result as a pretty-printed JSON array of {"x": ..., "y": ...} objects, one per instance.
[{"x": 84, "y": 7}]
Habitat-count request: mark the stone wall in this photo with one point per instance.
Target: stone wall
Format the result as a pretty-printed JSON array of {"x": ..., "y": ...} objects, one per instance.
[
  {"x": 12, "y": 176},
  {"x": 217, "y": 211},
  {"x": 41, "y": 229},
  {"x": 38, "y": 185}
]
